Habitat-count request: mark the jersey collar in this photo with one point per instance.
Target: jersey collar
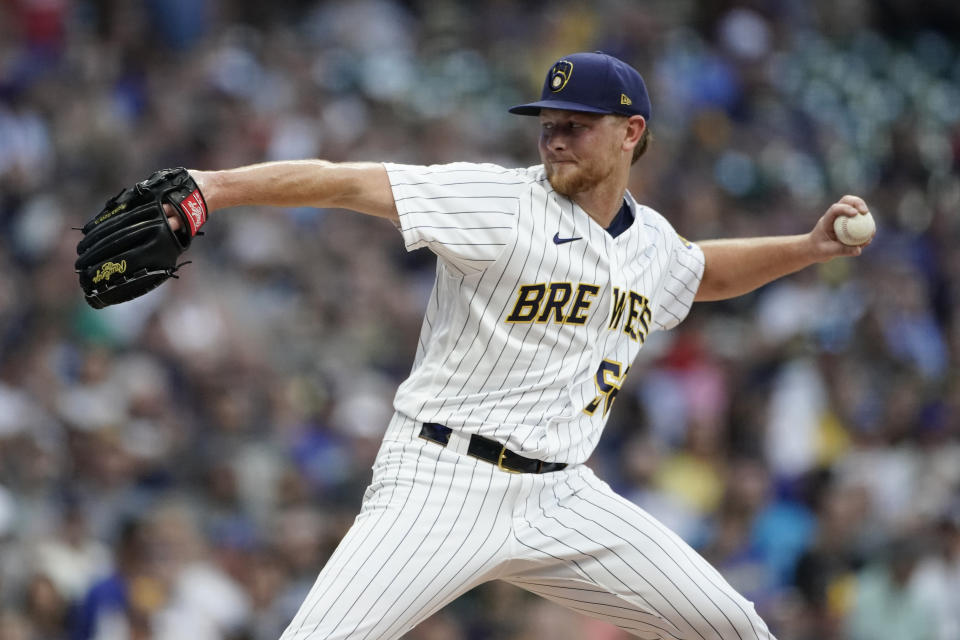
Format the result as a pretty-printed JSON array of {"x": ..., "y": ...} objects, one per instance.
[{"x": 621, "y": 221}]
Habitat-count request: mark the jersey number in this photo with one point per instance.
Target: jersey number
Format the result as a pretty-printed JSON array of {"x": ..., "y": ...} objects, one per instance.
[{"x": 609, "y": 379}]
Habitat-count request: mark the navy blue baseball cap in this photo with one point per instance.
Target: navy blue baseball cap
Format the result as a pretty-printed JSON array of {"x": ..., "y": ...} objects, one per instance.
[{"x": 594, "y": 83}]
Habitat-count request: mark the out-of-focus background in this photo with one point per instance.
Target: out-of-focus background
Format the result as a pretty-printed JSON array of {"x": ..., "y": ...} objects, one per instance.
[{"x": 181, "y": 466}]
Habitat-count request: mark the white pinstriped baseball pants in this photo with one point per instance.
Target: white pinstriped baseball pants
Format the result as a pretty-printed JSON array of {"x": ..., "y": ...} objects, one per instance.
[{"x": 436, "y": 523}]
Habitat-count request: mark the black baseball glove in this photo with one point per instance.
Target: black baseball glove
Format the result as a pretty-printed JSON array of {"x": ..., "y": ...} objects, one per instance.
[{"x": 129, "y": 248}]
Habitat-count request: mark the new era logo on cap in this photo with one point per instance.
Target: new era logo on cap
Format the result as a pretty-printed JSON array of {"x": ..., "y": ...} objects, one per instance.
[{"x": 591, "y": 82}]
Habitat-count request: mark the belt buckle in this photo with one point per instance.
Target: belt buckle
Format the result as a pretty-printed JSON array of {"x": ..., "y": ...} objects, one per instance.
[{"x": 503, "y": 453}]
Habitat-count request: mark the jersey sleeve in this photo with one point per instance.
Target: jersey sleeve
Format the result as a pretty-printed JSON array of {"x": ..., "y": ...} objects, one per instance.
[
  {"x": 681, "y": 279},
  {"x": 465, "y": 213}
]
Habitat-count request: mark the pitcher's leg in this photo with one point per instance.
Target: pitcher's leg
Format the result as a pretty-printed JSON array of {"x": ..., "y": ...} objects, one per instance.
[
  {"x": 428, "y": 532},
  {"x": 597, "y": 553}
]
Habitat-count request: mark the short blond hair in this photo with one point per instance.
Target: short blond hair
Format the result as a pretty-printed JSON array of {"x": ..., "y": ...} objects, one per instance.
[{"x": 645, "y": 138}]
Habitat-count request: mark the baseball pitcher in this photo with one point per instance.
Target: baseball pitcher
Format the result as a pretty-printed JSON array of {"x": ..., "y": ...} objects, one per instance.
[{"x": 549, "y": 280}]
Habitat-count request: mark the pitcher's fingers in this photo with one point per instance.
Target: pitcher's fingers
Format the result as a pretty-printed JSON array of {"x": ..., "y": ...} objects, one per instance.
[
  {"x": 172, "y": 218},
  {"x": 856, "y": 202},
  {"x": 843, "y": 209}
]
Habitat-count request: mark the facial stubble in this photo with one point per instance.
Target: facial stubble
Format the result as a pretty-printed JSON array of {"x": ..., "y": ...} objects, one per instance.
[{"x": 584, "y": 177}]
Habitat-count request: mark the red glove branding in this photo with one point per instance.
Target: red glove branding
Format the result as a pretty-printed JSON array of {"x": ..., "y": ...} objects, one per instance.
[{"x": 196, "y": 211}]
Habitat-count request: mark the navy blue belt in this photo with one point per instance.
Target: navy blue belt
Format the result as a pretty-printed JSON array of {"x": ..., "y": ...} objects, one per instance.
[{"x": 490, "y": 451}]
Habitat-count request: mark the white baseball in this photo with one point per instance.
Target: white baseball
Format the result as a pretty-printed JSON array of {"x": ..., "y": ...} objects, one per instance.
[{"x": 854, "y": 230}]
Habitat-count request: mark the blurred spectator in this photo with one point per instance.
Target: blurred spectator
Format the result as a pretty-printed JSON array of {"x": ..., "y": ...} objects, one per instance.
[
  {"x": 118, "y": 605},
  {"x": 886, "y": 604},
  {"x": 937, "y": 578},
  {"x": 46, "y": 608},
  {"x": 72, "y": 559}
]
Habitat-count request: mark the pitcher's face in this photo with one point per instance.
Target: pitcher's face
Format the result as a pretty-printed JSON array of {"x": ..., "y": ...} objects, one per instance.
[{"x": 579, "y": 150}]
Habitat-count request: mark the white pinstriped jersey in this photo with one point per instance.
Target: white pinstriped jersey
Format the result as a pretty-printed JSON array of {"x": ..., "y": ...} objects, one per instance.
[
  {"x": 534, "y": 318},
  {"x": 537, "y": 311}
]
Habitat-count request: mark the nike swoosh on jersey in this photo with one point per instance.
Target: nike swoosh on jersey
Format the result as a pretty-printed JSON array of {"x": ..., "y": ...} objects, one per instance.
[{"x": 558, "y": 240}]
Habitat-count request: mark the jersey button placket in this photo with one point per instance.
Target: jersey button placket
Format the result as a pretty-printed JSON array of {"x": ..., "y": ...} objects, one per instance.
[
  {"x": 615, "y": 281},
  {"x": 599, "y": 346}
]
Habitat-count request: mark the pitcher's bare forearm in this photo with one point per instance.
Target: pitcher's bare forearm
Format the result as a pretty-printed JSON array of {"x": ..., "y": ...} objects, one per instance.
[
  {"x": 738, "y": 266},
  {"x": 359, "y": 186},
  {"x": 734, "y": 267}
]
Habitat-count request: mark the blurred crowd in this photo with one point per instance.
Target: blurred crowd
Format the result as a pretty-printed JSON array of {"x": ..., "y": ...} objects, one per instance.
[{"x": 182, "y": 465}]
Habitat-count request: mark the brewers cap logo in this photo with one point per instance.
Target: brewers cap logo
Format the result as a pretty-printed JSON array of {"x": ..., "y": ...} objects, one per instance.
[{"x": 560, "y": 74}]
